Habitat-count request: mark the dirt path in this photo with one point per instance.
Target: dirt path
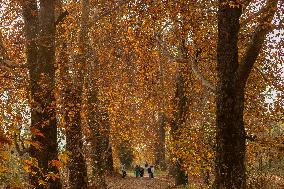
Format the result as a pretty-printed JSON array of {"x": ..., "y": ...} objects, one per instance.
[{"x": 130, "y": 182}]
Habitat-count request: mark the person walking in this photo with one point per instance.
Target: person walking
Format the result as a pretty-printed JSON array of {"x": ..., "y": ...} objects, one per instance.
[
  {"x": 137, "y": 171},
  {"x": 123, "y": 169},
  {"x": 141, "y": 171},
  {"x": 146, "y": 167},
  {"x": 151, "y": 171}
]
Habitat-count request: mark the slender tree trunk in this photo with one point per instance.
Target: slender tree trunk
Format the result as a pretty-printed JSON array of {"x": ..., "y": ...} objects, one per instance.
[
  {"x": 41, "y": 60},
  {"x": 71, "y": 106},
  {"x": 179, "y": 119},
  {"x": 97, "y": 114},
  {"x": 98, "y": 141},
  {"x": 109, "y": 159},
  {"x": 160, "y": 159},
  {"x": 108, "y": 153}
]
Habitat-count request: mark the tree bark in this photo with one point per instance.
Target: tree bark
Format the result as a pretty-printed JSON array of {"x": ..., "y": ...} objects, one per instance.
[
  {"x": 160, "y": 159},
  {"x": 77, "y": 163},
  {"x": 41, "y": 60},
  {"x": 230, "y": 171},
  {"x": 179, "y": 118},
  {"x": 97, "y": 113},
  {"x": 99, "y": 140},
  {"x": 230, "y": 136},
  {"x": 73, "y": 102}
]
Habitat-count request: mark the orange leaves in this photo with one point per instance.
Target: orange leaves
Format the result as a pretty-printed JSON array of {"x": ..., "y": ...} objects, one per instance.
[
  {"x": 63, "y": 157},
  {"x": 36, "y": 132},
  {"x": 35, "y": 144},
  {"x": 51, "y": 175},
  {"x": 5, "y": 140},
  {"x": 55, "y": 163},
  {"x": 29, "y": 165}
]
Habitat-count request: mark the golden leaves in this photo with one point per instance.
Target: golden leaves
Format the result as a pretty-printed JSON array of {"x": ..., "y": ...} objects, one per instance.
[{"x": 35, "y": 144}]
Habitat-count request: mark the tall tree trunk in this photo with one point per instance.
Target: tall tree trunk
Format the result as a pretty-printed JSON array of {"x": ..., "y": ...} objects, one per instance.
[
  {"x": 160, "y": 159},
  {"x": 179, "y": 119},
  {"x": 230, "y": 154},
  {"x": 230, "y": 169},
  {"x": 73, "y": 102},
  {"x": 108, "y": 151},
  {"x": 77, "y": 163},
  {"x": 97, "y": 114},
  {"x": 109, "y": 159},
  {"x": 41, "y": 60},
  {"x": 71, "y": 106},
  {"x": 98, "y": 140}
]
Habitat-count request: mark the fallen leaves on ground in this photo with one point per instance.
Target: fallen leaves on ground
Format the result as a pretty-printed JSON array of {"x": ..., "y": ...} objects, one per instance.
[{"x": 129, "y": 182}]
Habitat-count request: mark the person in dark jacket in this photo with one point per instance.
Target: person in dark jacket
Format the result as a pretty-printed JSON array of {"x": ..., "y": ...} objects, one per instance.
[
  {"x": 141, "y": 172},
  {"x": 137, "y": 171},
  {"x": 151, "y": 171},
  {"x": 123, "y": 169}
]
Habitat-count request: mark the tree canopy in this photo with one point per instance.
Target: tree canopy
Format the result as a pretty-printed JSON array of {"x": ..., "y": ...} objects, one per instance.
[{"x": 194, "y": 88}]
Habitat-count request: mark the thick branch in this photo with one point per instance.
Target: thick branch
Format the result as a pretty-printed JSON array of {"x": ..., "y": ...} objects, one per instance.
[
  {"x": 249, "y": 18},
  {"x": 254, "y": 48},
  {"x": 194, "y": 66}
]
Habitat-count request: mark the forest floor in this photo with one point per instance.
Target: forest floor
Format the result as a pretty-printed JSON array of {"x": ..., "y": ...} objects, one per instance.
[{"x": 131, "y": 182}]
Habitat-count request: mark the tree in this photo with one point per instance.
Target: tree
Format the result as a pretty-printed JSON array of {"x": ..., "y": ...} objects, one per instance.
[
  {"x": 125, "y": 154},
  {"x": 232, "y": 77},
  {"x": 40, "y": 50}
]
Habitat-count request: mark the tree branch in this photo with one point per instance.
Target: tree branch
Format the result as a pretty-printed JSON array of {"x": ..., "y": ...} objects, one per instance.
[
  {"x": 194, "y": 66},
  {"x": 198, "y": 74},
  {"x": 267, "y": 80},
  {"x": 106, "y": 13},
  {"x": 18, "y": 149},
  {"x": 255, "y": 46},
  {"x": 61, "y": 17},
  {"x": 249, "y": 18},
  {"x": 4, "y": 59}
]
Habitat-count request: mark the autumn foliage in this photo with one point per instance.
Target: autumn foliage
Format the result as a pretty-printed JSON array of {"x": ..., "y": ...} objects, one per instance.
[{"x": 194, "y": 88}]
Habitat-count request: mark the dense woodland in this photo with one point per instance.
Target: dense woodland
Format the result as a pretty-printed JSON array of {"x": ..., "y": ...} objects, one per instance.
[{"x": 193, "y": 87}]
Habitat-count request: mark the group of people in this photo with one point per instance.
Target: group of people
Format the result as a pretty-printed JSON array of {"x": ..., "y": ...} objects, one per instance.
[{"x": 139, "y": 171}]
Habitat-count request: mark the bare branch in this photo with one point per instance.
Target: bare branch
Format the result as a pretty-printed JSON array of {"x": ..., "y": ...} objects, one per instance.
[
  {"x": 245, "y": 3},
  {"x": 248, "y": 19},
  {"x": 158, "y": 34},
  {"x": 198, "y": 74}
]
